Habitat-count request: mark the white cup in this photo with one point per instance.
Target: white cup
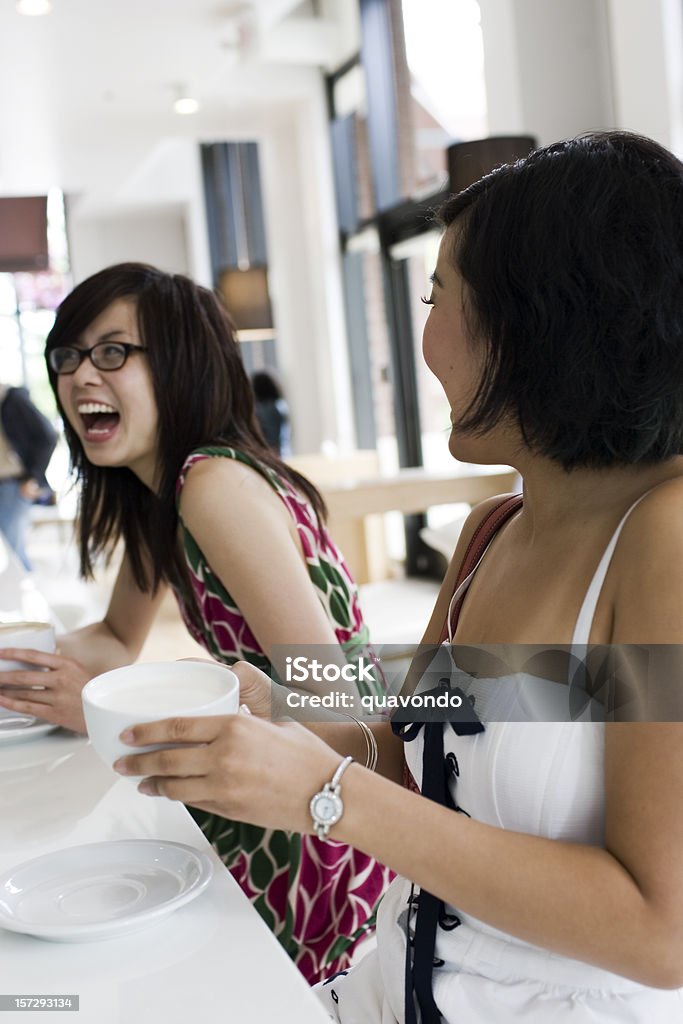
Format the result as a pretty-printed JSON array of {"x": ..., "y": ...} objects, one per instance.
[
  {"x": 37, "y": 636},
  {"x": 150, "y": 692}
]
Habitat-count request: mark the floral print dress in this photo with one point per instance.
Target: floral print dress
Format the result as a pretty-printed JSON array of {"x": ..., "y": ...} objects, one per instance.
[{"x": 319, "y": 898}]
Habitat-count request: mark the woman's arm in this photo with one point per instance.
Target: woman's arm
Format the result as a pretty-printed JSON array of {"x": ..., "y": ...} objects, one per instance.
[
  {"x": 82, "y": 654},
  {"x": 252, "y": 545},
  {"x": 120, "y": 636},
  {"x": 348, "y": 741}
]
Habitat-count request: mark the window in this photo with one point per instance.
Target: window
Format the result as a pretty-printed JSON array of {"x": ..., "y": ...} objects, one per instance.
[{"x": 445, "y": 54}]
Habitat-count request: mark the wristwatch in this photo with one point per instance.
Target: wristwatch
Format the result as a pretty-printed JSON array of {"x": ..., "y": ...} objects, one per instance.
[{"x": 326, "y": 806}]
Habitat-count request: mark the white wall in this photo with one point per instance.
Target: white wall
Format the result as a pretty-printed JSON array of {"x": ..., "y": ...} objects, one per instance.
[
  {"x": 304, "y": 273},
  {"x": 556, "y": 68},
  {"x": 172, "y": 175},
  {"x": 647, "y": 67},
  {"x": 156, "y": 216},
  {"x": 157, "y": 237},
  {"x": 547, "y": 67}
]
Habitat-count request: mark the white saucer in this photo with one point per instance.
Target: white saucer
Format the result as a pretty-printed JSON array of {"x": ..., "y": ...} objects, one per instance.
[
  {"x": 18, "y": 728},
  {"x": 100, "y": 890}
]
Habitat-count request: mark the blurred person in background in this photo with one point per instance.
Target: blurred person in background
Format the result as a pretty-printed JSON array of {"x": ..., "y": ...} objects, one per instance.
[
  {"x": 272, "y": 412},
  {"x": 27, "y": 441}
]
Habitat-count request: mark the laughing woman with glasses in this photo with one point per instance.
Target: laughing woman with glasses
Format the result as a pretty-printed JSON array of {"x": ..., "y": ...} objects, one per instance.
[{"x": 159, "y": 417}]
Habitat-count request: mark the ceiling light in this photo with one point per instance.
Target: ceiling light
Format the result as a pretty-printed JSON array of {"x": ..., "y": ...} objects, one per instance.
[
  {"x": 34, "y": 8},
  {"x": 184, "y": 103}
]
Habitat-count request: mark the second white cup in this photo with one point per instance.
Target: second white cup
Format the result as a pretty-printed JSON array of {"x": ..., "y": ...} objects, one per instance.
[{"x": 150, "y": 692}]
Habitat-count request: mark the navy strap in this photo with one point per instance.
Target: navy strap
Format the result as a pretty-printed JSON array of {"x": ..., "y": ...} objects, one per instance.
[{"x": 429, "y": 907}]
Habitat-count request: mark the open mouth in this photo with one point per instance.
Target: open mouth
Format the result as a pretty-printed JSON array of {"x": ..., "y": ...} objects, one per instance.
[{"x": 99, "y": 420}]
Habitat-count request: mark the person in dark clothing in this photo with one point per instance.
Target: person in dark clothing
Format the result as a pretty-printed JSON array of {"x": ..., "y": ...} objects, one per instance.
[
  {"x": 272, "y": 412},
  {"x": 27, "y": 441}
]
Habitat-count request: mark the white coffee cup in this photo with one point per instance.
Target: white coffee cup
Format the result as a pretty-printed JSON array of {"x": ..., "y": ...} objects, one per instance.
[
  {"x": 150, "y": 692},
  {"x": 37, "y": 636}
]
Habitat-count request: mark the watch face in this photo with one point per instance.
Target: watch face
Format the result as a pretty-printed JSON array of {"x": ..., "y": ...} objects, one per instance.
[{"x": 326, "y": 808}]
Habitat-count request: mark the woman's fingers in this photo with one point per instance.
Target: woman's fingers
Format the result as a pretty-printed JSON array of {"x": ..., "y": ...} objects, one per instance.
[
  {"x": 202, "y": 771},
  {"x": 181, "y": 762},
  {"x": 238, "y": 766},
  {"x": 175, "y": 730},
  {"x": 255, "y": 689},
  {"x": 24, "y": 680},
  {"x": 24, "y": 706},
  {"x": 54, "y": 695},
  {"x": 191, "y": 773},
  {"x": 31, "y": 657},
  {"x": 52, "y": 703},
  {"x": 192, "y": 791},
  {"x": 186, "y": 790}
]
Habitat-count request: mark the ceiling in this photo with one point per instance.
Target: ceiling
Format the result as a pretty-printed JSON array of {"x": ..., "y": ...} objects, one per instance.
[{"x": 88, "y": 89}]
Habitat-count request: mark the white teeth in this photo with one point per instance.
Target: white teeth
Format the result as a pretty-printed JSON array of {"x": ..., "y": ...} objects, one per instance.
[{"x": 89, "y": 407}]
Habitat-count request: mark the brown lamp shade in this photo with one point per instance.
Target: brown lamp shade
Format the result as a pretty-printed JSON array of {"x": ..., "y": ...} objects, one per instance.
[
  {"x": 245, "y": 293},
  {"x": 469, "y": 161},
  {"x": 23, "y": 233}
]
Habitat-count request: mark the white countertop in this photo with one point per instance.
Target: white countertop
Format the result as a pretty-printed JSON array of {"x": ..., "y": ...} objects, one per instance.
[{"x": 212, "y": 960}]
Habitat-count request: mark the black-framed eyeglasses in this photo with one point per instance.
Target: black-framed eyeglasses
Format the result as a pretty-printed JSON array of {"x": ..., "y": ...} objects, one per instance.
[{"x": 106, "y": 355}]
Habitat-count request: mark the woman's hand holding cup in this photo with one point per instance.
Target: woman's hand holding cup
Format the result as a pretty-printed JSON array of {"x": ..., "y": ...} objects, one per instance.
[
  {"x": 240, "y": 766},
  {"x": 34, "y": 680}
]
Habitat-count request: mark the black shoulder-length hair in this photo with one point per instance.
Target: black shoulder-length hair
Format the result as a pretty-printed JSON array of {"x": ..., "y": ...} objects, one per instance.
[
  {"x": 573, "y": 265},
  {"x": 203, "y": 397}
]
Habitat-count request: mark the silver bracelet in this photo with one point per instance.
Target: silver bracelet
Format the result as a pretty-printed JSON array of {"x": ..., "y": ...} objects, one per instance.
[{"x": 371, "y": 751}]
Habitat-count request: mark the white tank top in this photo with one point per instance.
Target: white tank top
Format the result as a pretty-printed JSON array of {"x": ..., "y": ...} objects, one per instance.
[{"x": 543, "y": 778}]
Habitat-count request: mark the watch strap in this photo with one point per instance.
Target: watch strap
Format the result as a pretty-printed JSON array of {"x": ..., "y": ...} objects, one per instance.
[{"x": 336, "y": 778}]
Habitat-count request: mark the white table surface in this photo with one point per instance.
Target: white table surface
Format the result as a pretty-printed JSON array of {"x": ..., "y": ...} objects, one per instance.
[{"x": 211, "y": 960}]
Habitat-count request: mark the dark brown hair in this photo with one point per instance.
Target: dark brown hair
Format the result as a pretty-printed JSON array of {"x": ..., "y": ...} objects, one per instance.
[
  {"x": 203, "y": 397},
  {"x": 573, "y": 262}
]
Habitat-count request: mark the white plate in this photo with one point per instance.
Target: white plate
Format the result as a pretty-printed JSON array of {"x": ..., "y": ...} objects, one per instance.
[
  {"x": 100, "y": 890},
  {"x": 17, "y": 728}
]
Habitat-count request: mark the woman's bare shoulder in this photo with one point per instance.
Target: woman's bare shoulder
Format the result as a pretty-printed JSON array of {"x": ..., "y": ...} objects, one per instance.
[
  {"x": 221, "y": 467},
  {"x": 220, "y": 480},
  {"x": 656, "y": 522},
  {"x": 228, "y": 501},
  {"x": 649, "y": 564}
]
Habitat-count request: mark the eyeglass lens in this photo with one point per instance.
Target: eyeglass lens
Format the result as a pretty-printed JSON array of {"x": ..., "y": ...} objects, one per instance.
[{"x": 106, "y": 356}]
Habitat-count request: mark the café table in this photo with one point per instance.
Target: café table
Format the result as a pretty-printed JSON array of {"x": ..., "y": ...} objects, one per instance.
[{"x": 212, "y": 960}]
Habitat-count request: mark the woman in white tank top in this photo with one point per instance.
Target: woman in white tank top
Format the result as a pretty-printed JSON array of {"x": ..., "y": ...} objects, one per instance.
[{"x": 543, "y": 878}]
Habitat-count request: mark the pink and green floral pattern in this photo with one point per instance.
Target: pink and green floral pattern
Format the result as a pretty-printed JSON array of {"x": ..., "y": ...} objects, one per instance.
[{"x": 319, "y": 898}]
